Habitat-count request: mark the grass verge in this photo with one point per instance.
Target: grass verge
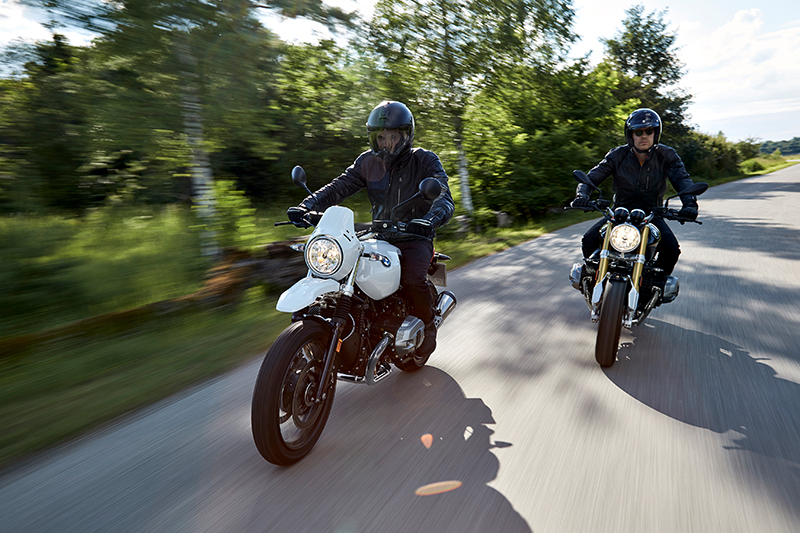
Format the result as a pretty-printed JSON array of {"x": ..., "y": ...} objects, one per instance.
[{"x": 71, "y": 385}]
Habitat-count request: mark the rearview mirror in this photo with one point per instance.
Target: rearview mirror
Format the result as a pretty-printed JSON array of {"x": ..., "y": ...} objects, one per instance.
[
  {"x": 430, "y": 188},
  {"x": 299, "y": 176}
]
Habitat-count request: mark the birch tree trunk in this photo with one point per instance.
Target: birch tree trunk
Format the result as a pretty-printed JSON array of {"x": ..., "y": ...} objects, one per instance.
[
  {"x": 463, "y": 168},
  {"x": 202, "y": 176}
]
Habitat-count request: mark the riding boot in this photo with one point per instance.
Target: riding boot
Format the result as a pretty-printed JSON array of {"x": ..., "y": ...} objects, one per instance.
[{"x": 429, "y": 342}]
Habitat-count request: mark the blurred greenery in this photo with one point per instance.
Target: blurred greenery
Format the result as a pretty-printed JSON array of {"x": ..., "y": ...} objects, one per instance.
[{"x": 104, "y": 150}]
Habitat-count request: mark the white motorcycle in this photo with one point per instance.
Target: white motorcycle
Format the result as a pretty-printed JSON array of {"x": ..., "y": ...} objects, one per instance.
[{"x": 350, "y": 320}]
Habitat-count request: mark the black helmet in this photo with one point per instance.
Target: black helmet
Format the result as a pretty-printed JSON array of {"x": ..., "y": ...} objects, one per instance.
[
  {"x": 642, "y": 119},
  {"x": 389, "y": 115}
]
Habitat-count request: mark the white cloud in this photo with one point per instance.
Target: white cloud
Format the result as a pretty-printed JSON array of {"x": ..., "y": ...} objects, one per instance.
[{"x": 739, "y": 70}]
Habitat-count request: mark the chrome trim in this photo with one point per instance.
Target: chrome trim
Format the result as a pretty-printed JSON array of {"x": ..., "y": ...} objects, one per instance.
[
  {"x": 374, "y": 373},
  {"x": 409, "y": 336},
  {"x": 445, "y": 303},
  {"x": 348, "y": 287},
  {"x": 649, "y": 307}
]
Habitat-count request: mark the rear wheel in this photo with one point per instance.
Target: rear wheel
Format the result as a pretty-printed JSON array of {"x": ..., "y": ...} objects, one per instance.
[
  {"x": 610, "y": 324},
  {"x": 286, "y": 422},
  {"x": 414, "y": 363}
]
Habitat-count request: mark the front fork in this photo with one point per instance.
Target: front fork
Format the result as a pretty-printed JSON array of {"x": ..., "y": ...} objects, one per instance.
[
  {"x": 636, "y": 278},
  {"x": 602, "y": 270},
  {"x": 340, "y": 317}
]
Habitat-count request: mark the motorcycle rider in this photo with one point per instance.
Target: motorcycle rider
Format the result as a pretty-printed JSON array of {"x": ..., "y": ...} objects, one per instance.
[
  {"x": 391, "y": 171},
  {"x": 640, "y": 170}
]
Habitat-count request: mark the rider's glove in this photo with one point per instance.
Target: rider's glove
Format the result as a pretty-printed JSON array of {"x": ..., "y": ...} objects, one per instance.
[
  {"x": 421, "y": 227},
  {"x": 580, "y": 201},
  {"x": 296, "y": 215},
  {"x": 688, "y": 211}
]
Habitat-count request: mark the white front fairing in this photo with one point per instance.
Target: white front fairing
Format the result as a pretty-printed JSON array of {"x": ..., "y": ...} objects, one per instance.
[
  {"x": 376, "y": 279},
  {"x": 304, "y": 292},
  {"x": 337, "y": 223}
]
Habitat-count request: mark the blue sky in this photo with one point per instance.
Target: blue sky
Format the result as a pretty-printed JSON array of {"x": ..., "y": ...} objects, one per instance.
[{"x": 741, "y": 56}]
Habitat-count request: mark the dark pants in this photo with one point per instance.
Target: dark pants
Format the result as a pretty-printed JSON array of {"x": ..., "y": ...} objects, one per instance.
[
  {"x": 668, "y": 249},
  {"x": 414, "y": 264}
]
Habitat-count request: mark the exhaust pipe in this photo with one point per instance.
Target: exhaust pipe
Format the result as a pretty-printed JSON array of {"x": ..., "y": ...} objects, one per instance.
[
  {"x": 374, "y": 372},
  {"x": 445, "y": 304}
]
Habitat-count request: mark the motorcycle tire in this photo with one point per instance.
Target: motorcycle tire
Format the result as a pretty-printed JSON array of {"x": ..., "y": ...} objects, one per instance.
[
  {"x": 414, "y": 363},
  {"x": 610, "y": 324},
  {"x": 285, "y": 421}
]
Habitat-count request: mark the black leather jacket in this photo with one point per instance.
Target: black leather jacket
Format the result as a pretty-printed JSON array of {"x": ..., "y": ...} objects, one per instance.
[
  {"x": 641, "y": 186},
  {"x": 387, "y": 187}
]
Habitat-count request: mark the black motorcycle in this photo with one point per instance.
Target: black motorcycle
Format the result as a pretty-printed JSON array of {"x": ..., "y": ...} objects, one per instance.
[{"x": 620, "y": 281}]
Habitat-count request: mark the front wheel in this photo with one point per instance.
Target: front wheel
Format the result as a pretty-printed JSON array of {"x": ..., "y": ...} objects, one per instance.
[
  {"x": 610, "y": 324},
  {"x": 286, "y": 421}
]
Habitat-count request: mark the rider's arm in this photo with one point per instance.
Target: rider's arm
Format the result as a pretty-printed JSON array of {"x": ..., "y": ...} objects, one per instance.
[
  {"x": 679, "y": 177},
  {"x": 600, "y": 172},
  {"x": 348, "y": 183},
  {"x": 441, "y": 211}
]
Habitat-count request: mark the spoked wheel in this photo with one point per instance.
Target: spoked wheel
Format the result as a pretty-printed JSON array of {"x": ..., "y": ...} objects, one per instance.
[
  {"x": 286, "y": 421},
  {"x": 610, "y": 324}
]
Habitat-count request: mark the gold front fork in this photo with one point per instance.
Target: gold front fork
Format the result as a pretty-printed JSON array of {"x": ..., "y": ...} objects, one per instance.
[
  {"x": 639, "y": 267},
  {"x": 602, "y": 270}
]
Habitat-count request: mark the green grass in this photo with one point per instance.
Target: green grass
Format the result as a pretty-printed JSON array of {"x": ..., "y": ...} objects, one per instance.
[
  {"x": 72, "y": 385},
  {"x": 111, "y": 262}
]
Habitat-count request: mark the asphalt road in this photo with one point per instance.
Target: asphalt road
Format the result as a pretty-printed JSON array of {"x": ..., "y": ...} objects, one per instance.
[{"x": 695, "y": 428}]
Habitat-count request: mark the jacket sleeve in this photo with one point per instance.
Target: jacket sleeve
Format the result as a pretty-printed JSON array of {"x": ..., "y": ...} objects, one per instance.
[
  {"x": 599, "y": 173},
  {"x": 679, "y": 178},
  {"x": 442, "y": 209},
  {"x": 347, "y": 184}
]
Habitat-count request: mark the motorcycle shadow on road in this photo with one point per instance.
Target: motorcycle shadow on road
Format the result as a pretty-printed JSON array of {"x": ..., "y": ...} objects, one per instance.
[
  {"x": 708, "y": 382},
  {"x": 411, "y": 455}
]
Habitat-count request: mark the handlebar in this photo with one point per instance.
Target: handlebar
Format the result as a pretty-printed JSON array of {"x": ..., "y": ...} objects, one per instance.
[
  {"x": 663, "y": 212},
  {"x": 672, "y": 214},
  {"x": 311, "y": 218}
]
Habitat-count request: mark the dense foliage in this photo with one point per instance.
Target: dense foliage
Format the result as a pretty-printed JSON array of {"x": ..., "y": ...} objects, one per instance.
[{"x": 170, "y": 92}]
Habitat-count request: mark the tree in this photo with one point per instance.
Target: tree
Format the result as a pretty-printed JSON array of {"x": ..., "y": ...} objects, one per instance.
[
  {"x": 530, "y": 133},
  {"x": 172, "y": 42},
  {"x": 54, "y": 117},
  {"x": 644, "y": 52},
  {"x": 437, "y": 54}
]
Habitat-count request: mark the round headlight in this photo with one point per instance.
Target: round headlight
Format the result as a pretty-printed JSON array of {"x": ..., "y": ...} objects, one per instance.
[
  {"x": 323, "y": 256},
  {"x": 625, "y": 238}
]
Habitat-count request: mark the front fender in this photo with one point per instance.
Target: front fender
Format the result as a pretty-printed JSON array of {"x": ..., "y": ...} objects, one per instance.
[{"x": 304, "y": 292}]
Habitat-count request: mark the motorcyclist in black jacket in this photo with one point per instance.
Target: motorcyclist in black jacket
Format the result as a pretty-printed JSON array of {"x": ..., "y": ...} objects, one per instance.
[
  {"x": 391, "y": 171},
  {"x": 640, "y": 171}
]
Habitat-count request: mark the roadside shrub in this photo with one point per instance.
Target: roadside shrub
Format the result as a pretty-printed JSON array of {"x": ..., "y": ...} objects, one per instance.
[{"x": 750, "y": 166}]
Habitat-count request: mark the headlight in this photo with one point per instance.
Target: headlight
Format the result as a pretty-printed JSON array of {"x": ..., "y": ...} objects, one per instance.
[
  {"x": 323, "y": 256},
  {"x": 625, "y": 238}
]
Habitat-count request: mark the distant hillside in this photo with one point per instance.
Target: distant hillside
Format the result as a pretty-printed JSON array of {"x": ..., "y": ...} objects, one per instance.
[{"x": 786, "y": 147}]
